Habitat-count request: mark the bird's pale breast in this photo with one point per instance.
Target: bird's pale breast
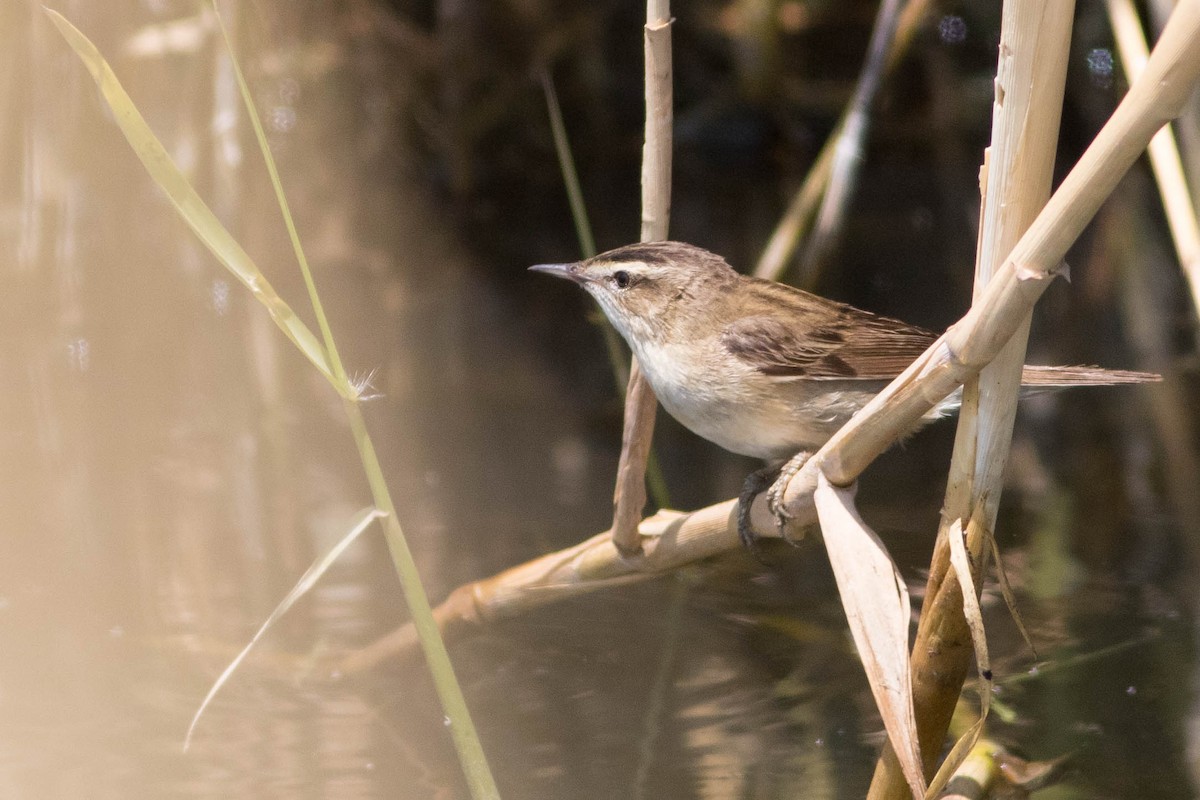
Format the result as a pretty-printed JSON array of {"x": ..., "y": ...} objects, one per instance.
[{"x": 743, "y": 410}]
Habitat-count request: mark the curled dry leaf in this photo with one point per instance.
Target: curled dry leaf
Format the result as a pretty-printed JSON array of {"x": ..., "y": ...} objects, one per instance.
[{"x": 878, "y": 611}]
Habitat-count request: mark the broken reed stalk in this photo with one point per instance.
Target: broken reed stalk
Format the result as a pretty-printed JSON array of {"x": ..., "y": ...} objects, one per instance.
[
  {"x": 629, "y": 496},
  {"x": 1015, "y": 183}
]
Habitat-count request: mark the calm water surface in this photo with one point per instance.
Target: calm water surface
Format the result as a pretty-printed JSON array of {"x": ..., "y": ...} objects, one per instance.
[{"x": 170, "y": 467}]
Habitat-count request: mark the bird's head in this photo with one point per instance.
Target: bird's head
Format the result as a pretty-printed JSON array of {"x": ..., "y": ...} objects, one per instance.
[{"x": 646, "y": 289}]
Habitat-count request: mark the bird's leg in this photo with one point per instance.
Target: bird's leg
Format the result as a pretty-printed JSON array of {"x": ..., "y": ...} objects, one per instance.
[
  {"x": 775, "y": 493},
  {"x": 756, "y": 483}
]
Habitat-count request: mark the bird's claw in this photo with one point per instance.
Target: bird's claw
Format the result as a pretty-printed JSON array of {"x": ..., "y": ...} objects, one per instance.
[
  {"x": 756, "y": 483},
  {"x": 775, "y": 494},
  {"x": 776, "y": 507}
]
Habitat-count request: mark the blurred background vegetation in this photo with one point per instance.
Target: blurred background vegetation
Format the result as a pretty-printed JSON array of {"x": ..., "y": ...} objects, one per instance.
[{"x": 170, "y": 466}]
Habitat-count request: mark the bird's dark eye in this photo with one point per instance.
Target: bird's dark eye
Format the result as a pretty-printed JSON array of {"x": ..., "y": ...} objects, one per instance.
[{"x": 621, "y": 278}]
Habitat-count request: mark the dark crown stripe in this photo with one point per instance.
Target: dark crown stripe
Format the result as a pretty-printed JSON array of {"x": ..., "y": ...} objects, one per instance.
[{"x": 649, "y": 254}]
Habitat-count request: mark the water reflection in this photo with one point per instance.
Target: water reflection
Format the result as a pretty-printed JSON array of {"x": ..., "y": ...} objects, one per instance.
[{"x": 171, "y": 466}]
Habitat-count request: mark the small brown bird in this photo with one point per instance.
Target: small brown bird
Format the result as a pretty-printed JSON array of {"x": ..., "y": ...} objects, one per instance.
[{"x": 760, "y": 368}]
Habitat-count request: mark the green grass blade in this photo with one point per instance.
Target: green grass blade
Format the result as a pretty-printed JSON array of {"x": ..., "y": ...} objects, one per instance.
[
  {"x": 462, "y": 729},
  {"x": 361, "y": 521},
  {"x": 226, "y": 248},
  {"x": 189, "y": 204},
  {"x": 583, "y": 227},
  {"x": 284, "y": 207}
]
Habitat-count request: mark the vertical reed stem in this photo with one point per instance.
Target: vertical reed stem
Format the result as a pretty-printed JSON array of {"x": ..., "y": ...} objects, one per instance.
[{"x": 629, "y": 497}]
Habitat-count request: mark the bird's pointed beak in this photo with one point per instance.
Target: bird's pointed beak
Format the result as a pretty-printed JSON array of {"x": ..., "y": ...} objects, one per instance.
[{"x": 569, "y": 271}]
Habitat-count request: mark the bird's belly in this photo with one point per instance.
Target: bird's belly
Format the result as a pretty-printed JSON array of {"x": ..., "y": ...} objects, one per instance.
[
  {"x": 769, "y": 427},
  {"x": 777, "y": 425},
  {"x": 751, "y": 414}
]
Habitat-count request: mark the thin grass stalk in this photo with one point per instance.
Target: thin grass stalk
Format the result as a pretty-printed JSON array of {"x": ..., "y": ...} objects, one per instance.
[
  {"x": 335, "y": 362},
  {"x": 629, "y": 496},
  {"x": 848, "y": 152},
  {"x": 1030, "y": 80},
  {"x": 193, "y": 210},
  {"x": 583, "y": 226},
  {"x": 562, "y": 147},
  {"x": 462, "y": 729},
  {"x": 794, "y": 225}
]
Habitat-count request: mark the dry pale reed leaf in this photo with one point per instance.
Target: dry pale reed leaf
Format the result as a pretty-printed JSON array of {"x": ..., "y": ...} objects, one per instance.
[
  {"x": 192, "y": 209},
  {"x": 1010, "y": 599},
  {"x": 878, "y": 610},
  {"x": 961, "y": 563},
  {"x": 360, "y": 523}
]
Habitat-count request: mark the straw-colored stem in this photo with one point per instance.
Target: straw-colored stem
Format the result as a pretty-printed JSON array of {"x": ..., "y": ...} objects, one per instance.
[
  {"x": 671, "y": 540},
  {"x": 629, "y": 496},
  {"x": 1164, "y": 152},
  {"x": 656, "y": 152},
  {"x": 587, "y": 245},
  {"x": 1030, "y": 78},
  {"x": 974, "y": 340}
]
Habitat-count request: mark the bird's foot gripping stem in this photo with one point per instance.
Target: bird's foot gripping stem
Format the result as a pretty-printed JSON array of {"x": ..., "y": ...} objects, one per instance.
[
  {"x": 774, "y": 481},
  {"x": 756, "y": 483},
  {"x": 777, "y": 490}
]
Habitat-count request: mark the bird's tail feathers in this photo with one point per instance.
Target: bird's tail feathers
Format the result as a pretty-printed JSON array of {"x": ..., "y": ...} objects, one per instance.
[{"x": 1083, "y": 376}]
